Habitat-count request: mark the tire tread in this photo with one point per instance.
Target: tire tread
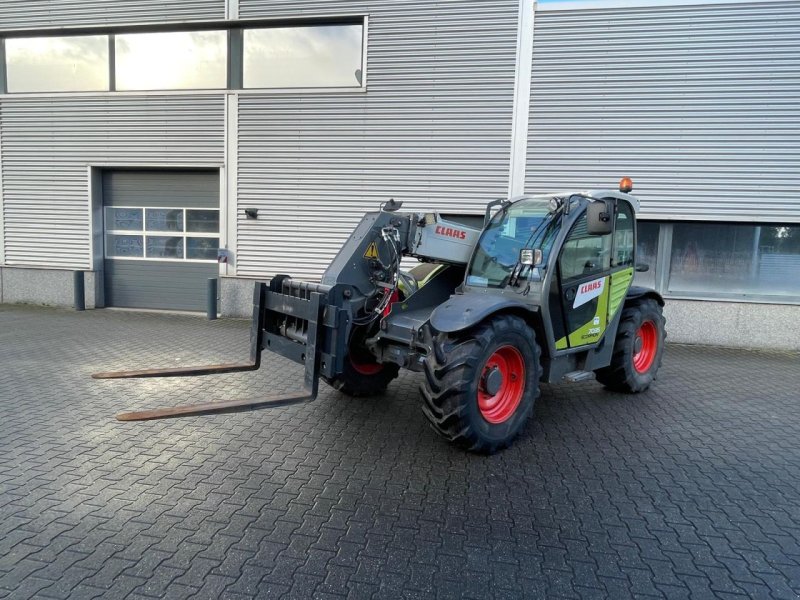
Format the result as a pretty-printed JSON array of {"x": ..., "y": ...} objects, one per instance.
[
  {"x": 619, "y": 375},
  {"x": 450, "y": 370}
]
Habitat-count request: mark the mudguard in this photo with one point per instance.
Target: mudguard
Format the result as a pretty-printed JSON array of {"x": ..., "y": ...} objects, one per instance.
[
  {"x": 635, "y": 292},
  {"x": 462, "y": 311}
]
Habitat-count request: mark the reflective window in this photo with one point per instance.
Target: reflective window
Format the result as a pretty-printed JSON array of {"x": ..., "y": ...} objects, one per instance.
[
  {"x": 735, "y": 259},
  {"x": 297, "y": 57},
  {"x": 525, "y": 224},
  {"x": 316, "y": 56},
  {"x": 204, "y": 248},
  {"x": 57, "y": 64},
  {"x": 124, "y": 219},
  {"x": 164, "y": 247},
  {"x": 124, "y": 246},
  {"x": 584, "y": 255},
  {"x": 161, "y": 219},
  {"x": 202, "y": 221},
  {"x": 171, "y": 61},
  {"x": 623, "y": 236},
  {"x": 162, "y": 233},
  {"x": 646, "y": 253}
]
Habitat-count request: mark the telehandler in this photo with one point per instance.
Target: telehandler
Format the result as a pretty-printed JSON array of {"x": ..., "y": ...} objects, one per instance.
[{"x": 538, "y": 290}]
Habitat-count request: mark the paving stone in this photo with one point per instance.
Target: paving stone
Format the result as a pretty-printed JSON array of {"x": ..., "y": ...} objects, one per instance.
[{"x": 689, "y": 490}]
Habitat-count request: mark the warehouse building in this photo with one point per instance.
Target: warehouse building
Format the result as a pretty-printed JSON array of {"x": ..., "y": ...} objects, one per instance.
[{"x": 153, "y": 144}]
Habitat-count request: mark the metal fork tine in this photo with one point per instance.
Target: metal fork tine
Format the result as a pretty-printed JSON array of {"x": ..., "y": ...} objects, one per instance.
[
  {"x": 178, "y": 371},
  {"x": 207, "y": 408},
  {"x": 306, "y": 393}
]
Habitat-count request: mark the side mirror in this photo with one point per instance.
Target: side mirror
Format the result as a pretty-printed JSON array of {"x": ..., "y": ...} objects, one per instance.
[
  {"x": 530, "y": 258},
  {"x": 642, "y": 268},
  {"x": 599, "y": 217}
]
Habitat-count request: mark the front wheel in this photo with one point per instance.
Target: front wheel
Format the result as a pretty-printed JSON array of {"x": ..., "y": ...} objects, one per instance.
[
  {"x": 638, "y": 348},
  {"x": 480, "y": 387}
]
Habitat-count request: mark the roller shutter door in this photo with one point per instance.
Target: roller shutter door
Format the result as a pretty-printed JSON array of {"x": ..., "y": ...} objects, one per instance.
[{"x": 161, "y": 238}]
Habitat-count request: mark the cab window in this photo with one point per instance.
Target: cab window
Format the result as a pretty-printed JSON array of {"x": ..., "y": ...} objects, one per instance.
[
  {"x": 525, "y": 224},
  {"x": 622, "y": 255},
  {"x": 584, "y": 255}
]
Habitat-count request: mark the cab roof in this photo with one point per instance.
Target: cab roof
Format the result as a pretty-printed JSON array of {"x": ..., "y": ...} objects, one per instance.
[{"x": 597, "y": 194}]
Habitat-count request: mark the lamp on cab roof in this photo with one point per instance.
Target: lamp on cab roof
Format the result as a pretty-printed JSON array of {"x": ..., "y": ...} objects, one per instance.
[{"x": 626, "y": 185}]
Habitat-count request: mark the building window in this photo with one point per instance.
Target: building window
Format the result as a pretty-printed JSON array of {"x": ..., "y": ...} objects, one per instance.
[
  {"x": 303, "y": 57},
  {"x": 173, "y": 234},
  {"x": 124, "y": 246},
  {"x": 57, "y": 64},
  {"x": 647, "y": 252},
  {"x": 734, "y": 260},
  {"x": 217, "y": 58},
  {"x": 183, "y": 60}
]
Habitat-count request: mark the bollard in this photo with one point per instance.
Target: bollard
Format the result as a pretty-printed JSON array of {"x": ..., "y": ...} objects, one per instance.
[
  {"x": 211, "y": 309},
  {"x": 79, "y": 292}
]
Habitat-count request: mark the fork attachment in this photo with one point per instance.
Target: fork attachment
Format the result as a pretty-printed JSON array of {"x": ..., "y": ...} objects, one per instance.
[
  {"x": 256, "y": 336},
  {"x": 269, "y": 308}
]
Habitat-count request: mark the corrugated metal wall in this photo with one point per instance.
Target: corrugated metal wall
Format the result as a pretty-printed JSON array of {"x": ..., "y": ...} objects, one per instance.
[
  {"x": 48, "y": 143},
  {"x": 28, "y": 14},
  {"x": 433, "y": 130},
  {"x": 699, "y": 104}
]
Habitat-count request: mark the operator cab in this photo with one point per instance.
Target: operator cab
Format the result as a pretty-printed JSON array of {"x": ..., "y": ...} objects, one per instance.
[{"x": 571, "y": 256}]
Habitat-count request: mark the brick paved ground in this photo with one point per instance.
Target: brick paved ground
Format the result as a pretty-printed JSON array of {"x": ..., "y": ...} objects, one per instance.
[{"x": 691, "y": 490}]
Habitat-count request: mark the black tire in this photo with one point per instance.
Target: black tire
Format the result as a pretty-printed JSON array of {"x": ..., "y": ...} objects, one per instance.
[
  {"x": 357, "y": 384},
  {"x": 362, "y": 376},
  {"x": 454, "y": 373},
  {"x": 622, "y": 375}
]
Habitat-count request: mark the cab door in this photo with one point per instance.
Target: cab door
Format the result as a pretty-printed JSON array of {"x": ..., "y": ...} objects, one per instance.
[
  {"x": 584, "y": 268},
  {"x": 622, "y": 257}
]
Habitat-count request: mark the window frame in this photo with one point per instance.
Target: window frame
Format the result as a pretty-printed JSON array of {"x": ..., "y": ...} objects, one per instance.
[
  {"x": 663, "y": 265},
  {"x": 234, "y": 59},
  {"x": 144, "y": 234}
]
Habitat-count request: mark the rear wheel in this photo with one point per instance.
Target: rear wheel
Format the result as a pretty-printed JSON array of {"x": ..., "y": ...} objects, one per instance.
[
  {"x": 362, "y": 374},
  {"x": 364, "y": 379},
  {"x": 638, "y": 348},
  {"x": 480, "y": 387}
]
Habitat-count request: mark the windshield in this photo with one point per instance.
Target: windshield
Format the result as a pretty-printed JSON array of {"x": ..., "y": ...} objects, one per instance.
[{"x": 526, "y": 224}]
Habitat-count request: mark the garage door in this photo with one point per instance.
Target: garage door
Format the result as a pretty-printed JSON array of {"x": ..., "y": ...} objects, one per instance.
[{"x": 161, "y": 238}]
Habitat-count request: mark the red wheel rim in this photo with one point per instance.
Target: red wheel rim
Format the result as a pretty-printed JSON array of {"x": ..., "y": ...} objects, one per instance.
[
  {"x": 500, "y": 407},
  {"x": 645, "y": 347},
  {"x": 366, "y": 368}
]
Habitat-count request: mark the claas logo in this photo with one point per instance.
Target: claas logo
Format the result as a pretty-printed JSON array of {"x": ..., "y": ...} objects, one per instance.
[
  {"x": 450, "y": 232},
  {"x": 590, "y": 287}
]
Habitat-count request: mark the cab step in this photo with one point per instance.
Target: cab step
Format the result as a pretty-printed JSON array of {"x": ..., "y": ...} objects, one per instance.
[{"x": 578, "y": 376}]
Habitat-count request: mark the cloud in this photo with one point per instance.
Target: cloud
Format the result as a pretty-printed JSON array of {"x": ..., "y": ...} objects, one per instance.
[
  {"x": 77, "y": 63},
  {"x": 288, "y": 57},
  {"x": 284, "y": 57},
  {"x": 176, "y": 60}
]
